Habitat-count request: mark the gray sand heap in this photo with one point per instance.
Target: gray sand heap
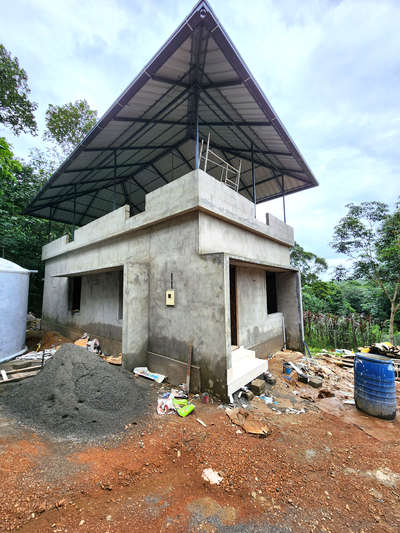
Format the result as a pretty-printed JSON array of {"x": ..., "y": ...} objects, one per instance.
[{"x": 77, "y": 394}]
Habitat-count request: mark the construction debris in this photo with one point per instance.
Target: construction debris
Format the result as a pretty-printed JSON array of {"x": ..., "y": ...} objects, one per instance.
[
  {"x": 382, "y": 348},
  {"x": 37, "y": 355},
  {"x": 247, "y": 421},
  {"x": 269, "y": 378},
  {"x": 145, "y": 373},
  {"x": 211, "y": 476},
  {"x": 315, "y": 381},
  {"x": 19, "y": 374},
  {"x": 32, "y": 323},
  {"x": 113, "y": 360},
  {"x": 165, "y": 405},
  {"x": 267, "y": 399},
  {"x": 177, "y": 401},
  {"x": 83, "y": 340},
  {"x": 257, "y": 386}
]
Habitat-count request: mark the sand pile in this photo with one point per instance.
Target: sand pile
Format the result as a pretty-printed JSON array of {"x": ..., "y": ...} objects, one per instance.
[{"x": 77, "y": 394}]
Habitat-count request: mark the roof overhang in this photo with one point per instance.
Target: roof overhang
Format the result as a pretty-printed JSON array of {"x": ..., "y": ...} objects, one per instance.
[{"x": 148, "y": 136}]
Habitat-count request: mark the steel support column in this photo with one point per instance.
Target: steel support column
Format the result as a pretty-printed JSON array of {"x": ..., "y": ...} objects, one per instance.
[
  {"x": 73, "y": 227},
  {"x": 253, "y": 178},
  {"x": 283, "y": 199},
  {"x": 197, "y": 137},
  {"x": 115, "y": 177}
]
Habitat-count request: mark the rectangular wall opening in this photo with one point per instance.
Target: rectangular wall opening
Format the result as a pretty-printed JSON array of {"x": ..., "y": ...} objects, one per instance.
[
  {"x": 272, "y": 300},
  {"x": 75, "y": 291},
  {"x": 120, "y": 295},
  {"x": 233, "y": 305}
]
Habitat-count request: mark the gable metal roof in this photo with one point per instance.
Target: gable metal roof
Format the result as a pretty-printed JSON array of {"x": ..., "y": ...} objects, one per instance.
[{"x": 148, "y": 136}]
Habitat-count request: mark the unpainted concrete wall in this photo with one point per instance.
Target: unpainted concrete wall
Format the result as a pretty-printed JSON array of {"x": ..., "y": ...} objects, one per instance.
[
  {"x": 99, "y": 308},
  {"x": 257, "y": 329},
  {"x": 188, "y": 229},
  {"x": 100, "y": 305},
  {"x": 216, "y": 235},
  {"x": 198, "y": 316},
  {"x": 288, "y": 287},
  {"x": 136, "y": 314},
  {"x": 196, "y": 191},
  {"x": 149, "y": 257}
]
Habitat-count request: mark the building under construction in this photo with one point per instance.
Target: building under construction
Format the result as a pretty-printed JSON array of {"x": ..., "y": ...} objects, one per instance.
[{"x": 167, "y": 251}]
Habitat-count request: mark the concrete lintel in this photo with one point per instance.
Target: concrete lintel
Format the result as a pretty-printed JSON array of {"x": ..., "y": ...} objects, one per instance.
[
  {"x": 76, "y": 273},
  {"x": 272, "y": 267}
]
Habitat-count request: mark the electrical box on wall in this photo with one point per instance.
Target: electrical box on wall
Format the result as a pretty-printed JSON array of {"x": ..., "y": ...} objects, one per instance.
[{"x": 170, "y": 297}]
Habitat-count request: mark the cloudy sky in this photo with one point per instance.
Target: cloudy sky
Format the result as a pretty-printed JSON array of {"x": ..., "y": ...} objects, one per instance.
[{"x": 330, "y": 68}]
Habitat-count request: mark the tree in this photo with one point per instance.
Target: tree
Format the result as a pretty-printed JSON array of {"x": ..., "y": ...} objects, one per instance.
[
  {"x": 366, "y": 298},
  {"x": 340, "y": 273},
  {"x": 68, "y": 124},
  {"x": 370, "y": 235},
  {"x": 16, "y": 110},
  {"x": 309, "y": 264},
  {"x": 22, "y": 237}
]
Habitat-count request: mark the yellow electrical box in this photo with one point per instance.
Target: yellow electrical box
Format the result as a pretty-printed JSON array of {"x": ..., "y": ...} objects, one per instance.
[{"x": 170, "y": 297}]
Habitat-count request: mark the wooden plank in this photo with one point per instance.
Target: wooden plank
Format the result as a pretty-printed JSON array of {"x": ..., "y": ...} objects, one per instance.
[
  {"x": 189, "y": 363},
  {"x": 19, "y": 377},
  {"x": 4, "y": 375},
  {"x": 25, "y": 369}
]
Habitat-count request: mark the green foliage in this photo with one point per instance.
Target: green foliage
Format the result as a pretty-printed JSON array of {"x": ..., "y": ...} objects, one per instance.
[
  {"x": 370, "y": 235},
  {"x": 8, "y": 166},
  {"x": 68, "y": 124},
  {"x": 309, "y": 264},
  {"x": 16, "y": 110},
  {"x": 332, "y": 331},
  {"x": 345, "y": 313},
  {"x": 22, "y": 237},
  {"x": 366, "y": 298},
  {"x": 326, "y": 297},
  {"x": 311, "y": 302}
]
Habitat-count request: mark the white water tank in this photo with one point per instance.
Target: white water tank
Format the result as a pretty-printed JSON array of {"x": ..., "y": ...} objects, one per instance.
[{"x": 14, "y": 286}]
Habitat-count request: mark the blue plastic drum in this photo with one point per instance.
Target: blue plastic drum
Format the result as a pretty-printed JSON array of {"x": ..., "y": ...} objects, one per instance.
[{"x": 374, "y": 385}]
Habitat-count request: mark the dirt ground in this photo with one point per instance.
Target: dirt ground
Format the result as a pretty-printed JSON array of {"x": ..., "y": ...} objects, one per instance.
[{"x": 327, "y": 469}]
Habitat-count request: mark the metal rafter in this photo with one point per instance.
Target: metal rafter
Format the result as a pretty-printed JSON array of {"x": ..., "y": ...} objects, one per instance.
[
  {"x": 214, "y": 85},
  {"x": 180, "y": 154},
  {"x": 161, "y": 111},
  {"x": 221, "y": 123},
  {"x": 177, "y": 108}
]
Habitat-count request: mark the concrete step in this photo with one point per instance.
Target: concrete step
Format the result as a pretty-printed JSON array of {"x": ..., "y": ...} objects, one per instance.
[
  {"x": 242, "y": 353},
  {"x": 243, "y": 372}
]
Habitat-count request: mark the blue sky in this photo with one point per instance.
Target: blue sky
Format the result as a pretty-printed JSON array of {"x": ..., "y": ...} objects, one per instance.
[{"x": 331, "y": 70}]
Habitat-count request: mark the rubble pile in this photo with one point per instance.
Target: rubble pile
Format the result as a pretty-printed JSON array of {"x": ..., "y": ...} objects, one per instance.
[
  {"x": 383, "y": 348},
  {"x": 77, "y": 394}
]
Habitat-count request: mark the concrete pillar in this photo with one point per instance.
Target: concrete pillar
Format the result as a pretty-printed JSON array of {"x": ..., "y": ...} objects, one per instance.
[
  {"x": 227, "y": 301},
  {"x": 135, "y": 330},
  {"x": 288, "y": 287}
]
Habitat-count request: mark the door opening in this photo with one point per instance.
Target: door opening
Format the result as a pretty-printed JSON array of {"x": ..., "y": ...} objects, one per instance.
[{"x": 233, "y": 304}]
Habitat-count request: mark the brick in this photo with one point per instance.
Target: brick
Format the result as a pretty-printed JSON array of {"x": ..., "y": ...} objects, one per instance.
[
  {"x": 315, "y": 382},
  {"x": 257, "y": 386}
]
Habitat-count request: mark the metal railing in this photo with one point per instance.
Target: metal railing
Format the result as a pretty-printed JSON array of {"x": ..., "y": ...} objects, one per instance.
[{"x": 229, "y": 174}]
